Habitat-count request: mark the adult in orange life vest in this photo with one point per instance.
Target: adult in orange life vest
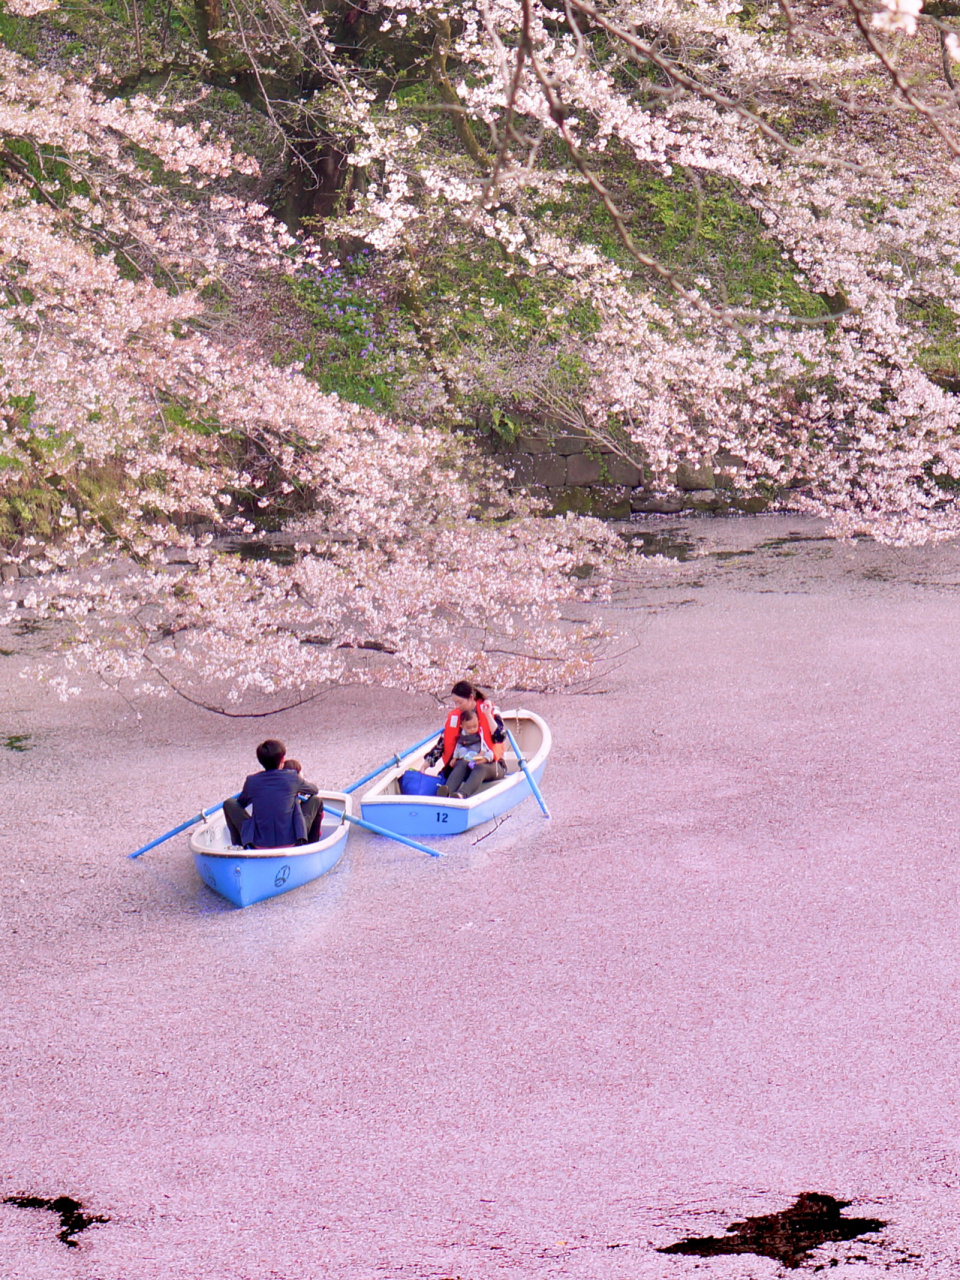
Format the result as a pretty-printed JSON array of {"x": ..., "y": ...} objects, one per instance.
[{"x": 467, "y": 697}]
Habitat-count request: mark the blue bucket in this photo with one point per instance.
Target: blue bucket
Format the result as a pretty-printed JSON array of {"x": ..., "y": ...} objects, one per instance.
[{"x": 415, "y": 783}]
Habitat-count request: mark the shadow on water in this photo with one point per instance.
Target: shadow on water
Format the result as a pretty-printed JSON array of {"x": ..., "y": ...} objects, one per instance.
[
  {"x": 72, "y": 1219},
  {"x": 260, "y": 549},
  {"x": 669, "y": 543},
  {"x": 792, "y": 540},
  {"x": 788, "y": 1236}
]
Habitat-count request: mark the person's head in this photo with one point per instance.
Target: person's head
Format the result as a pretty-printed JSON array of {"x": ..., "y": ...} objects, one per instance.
[
  {"x": 465, "y": 694},
  {"x": 295, "y": 765},
  {"x": 469, "y": 721},
  {"x": 271, "y": 754}
]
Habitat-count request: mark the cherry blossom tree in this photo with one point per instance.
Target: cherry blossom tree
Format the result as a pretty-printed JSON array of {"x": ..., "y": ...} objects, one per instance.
[
  {"x": 136, "y": 421},
  {"x": 495, "y": 129},
  {"x": 831, "y": 400}
]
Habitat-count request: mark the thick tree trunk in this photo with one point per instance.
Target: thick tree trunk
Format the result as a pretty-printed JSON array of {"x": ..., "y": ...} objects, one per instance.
[
  {"x": 209, "y": 14},
  {"x": 317, "y": 170}
]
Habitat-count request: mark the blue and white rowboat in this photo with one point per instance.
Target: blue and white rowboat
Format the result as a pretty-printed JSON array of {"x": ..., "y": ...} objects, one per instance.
[
  {"x": 245, "y": 876},
  {"x": 442, "y": 815}
]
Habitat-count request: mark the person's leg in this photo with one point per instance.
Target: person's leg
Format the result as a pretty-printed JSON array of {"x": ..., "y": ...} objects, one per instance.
[
  {"x": 312, "y": 809},
  {"x": 455, "y": 778},
  {"x": 479, "y": 774},
  {"x": 236, "y": 815}
]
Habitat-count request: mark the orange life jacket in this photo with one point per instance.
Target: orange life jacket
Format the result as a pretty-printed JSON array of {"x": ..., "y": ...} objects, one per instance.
[{"x": 451, "y": 732}]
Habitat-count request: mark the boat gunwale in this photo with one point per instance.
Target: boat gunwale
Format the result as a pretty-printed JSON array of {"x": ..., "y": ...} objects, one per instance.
[
  {"x": 495, "y": 789},
  {"x": 285, "y": 851}
]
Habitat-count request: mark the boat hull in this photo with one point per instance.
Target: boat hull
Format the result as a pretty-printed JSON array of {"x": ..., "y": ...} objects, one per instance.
[
  {"x": 244, "y": 878},
  {"x": 433, "y": 816}
]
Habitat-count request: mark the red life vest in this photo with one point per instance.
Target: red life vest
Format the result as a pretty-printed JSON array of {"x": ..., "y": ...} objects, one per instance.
[{"x": 451, "y": 732}]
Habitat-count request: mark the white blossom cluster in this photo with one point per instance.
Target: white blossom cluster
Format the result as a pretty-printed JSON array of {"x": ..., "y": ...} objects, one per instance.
[
  {"x": 120, "y": 405},
  {"x": 414, "y": 563},
  {"x": 863, "y": 212}
]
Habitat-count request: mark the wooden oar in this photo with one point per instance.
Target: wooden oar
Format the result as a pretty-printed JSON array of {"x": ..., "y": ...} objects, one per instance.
[
  {"x": 382, "y": 831},
  {"x": 204, "y": 813},
  {"x": 530, "y": 778},
  {"x": 394, "y": 760}
]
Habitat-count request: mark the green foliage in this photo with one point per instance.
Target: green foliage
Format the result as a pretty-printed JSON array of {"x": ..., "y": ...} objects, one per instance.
[
  {"x": 18, "y": 34},
  {"x": 353, "y": 349},
  {"x": 699, "y": 226},
  {"x": 176, "y": 415},
  {"x": 60, "y": 181},
  {"x": 507, "y": 428},
  {"x": 28, "y": 509},
  {"x": 939, "y": 351}
]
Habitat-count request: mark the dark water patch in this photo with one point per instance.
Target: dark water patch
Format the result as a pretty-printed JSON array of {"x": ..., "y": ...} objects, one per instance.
[
  {"x": 731, "y": 555},
  {"x": 16, "y": 742},
  {"x": 669, "y": 543},
  {"x": 792, "y": 539},
  {"x": 788, "y": 1236},
  {"x": 27, "y": 627},
  {"x": 72, "y": 1218},
  {"x": 260, "y": 549}
]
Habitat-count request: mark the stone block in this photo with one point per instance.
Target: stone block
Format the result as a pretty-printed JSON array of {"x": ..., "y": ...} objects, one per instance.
[
  {"x": 548, "y": 469},
  {"x": 728, "y": 461},
  {"x": 609, "y": 502},
  {"x": 619, "y": 471},
  {"x": 527, "y": 442},
  {"x": 645, "y": 503},
  {"x": 523, "y": 466},
  {"x": 706, "y": 500},
  {"x": 572, "y": 498},
  {"x": 753, "y": 505},
  {"x": 565, "y": 445},
  {"x": 691, "y": 479},
  {"x": 582, "y": 469}
]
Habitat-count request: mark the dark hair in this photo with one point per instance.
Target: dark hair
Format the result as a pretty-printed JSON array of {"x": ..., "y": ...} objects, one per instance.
[
  {"x": 293, "y": 764},
  {"x": 469, "y": 714},
  {"x": 464, "y": 689},
  {"x": 270, "y": 753}
]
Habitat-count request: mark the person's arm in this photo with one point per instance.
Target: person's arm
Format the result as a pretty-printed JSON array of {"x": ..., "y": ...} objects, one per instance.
[
  {"x": 244, "y": 797},
  {"x": 306, "y": 788},
  {"x": 435, "y": 752},
  {"x": 494, "y": 722}
]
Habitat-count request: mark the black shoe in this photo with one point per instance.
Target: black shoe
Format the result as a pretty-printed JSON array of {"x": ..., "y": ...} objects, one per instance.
[{"x": 249, "y": 846}]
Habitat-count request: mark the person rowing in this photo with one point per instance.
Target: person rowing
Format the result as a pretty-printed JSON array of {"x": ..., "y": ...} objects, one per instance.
[
  {"x": 267, "y": 814},
  {"x": 486, "y": 760}
]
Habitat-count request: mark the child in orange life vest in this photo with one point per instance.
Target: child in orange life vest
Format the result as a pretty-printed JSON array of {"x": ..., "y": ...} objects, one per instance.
[{"x": 473, "y": 761}]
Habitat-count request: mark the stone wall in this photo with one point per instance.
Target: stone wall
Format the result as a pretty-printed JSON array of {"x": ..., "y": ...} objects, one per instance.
[{"x": 575, "y": 473}]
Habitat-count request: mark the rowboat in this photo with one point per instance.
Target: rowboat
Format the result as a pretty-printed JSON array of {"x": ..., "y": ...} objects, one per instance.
[
  {"x": 245, "y": 876},
  {"x": 445, "y": 816}
]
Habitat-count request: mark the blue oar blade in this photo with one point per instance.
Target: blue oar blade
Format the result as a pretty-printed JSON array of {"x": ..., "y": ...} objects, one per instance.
[
  {"x": 530, "y": 778},
  {"x": 382, "y": 831}
]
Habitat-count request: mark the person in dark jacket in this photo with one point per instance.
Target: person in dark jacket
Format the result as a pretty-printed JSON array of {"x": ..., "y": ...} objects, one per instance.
[{"x": 267, "y": 814}]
